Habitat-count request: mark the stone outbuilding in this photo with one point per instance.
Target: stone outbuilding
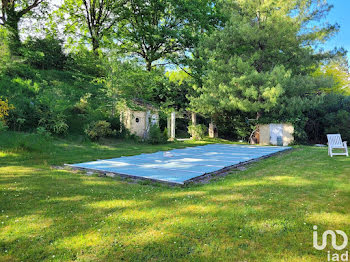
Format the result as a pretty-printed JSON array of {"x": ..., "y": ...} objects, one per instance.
[
  {"x": 275, "y": 134},
  {"x": 139, "y": 118}
]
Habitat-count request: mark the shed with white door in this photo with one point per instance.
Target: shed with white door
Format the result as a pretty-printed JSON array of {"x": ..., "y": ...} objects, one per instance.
[{"x": 276, "y": 134}]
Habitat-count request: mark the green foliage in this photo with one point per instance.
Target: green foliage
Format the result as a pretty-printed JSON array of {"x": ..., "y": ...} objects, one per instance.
[
  {"x": 198, "y": 132},
  {"x": 156, "y": 136},
  {"x": 298, "y": 106},
  {"x": 89, "y": 21},
  {"x": 36, "y": 142},
  {"x": 44, "y": 53},
  {"x": 11, "y": 14},
  {"x": 3, "y": 126},
  {"x": 82, "y": 61},
  {"x": 5, "y": 107},
  {"x": 157, "y": 30},
  {"x": 251, "y": 60},
  {"x": 54, "y": 122},
  {"x": 330, "y": 116},
  {"x": 20, "y": 122},
  {"x": 41, "y": 131},
  {"x": 313, "y": 116},
  {"x": 174, "y": 92},
  {"x": 338, "y": 123},
  {"x": 5, "y": 54},
  {"x": 99, "y": 129},
  {"x": 236, "y": 60},
  {"x": 234, "y": 125},
  {"x": 338, "y": 71},
  {"x": 247, "y": 91},
  {"x": 115, "y": 124},
  {"x": 58, "y": 100},
  {"x": 128, "y": 81},
  {"x": 165, "y": 133}
]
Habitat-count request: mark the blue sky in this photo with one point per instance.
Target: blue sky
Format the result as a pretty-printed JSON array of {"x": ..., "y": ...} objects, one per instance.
[{"x": 341, "y": 15}]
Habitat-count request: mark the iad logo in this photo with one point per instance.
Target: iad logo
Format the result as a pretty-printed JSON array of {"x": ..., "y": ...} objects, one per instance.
[{"x": 335, "y": 256}]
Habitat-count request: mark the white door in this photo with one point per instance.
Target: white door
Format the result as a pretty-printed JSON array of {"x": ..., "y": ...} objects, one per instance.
[{"x": 276, "y": 130}]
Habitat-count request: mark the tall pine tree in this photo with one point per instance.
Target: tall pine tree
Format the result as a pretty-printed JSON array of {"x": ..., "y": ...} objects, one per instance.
[{"x": 262, "y": 46}]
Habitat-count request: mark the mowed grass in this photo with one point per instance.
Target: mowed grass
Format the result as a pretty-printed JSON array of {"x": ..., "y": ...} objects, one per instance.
[{"x": 265, "y": 213}]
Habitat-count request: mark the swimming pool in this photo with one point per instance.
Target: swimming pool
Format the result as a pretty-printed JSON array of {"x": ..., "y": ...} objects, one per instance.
[{"x": 181, "y": 165}]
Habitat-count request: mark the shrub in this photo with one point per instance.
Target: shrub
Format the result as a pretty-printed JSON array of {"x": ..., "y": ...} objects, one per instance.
[
  {"x": 41, "y": 131},
  {"x": 234, "y": 124},
  {"x": 3, "y": 126},
  {"x": 60, "y": 127},
  {"x": 118, "y": 126},
  {"x": 156, "y": 136},
  {"x": 99, "y": 129},
  {"x": 5, "y": 107},
  {"x": 54, "y": 122},
  {"x": 132, "y": 137},
  {"x": 165, "y": 133},
  {"x": 338, "y": 123},
  {"x": 197, "y": 131},
  {"x": 44, "y": 53}
]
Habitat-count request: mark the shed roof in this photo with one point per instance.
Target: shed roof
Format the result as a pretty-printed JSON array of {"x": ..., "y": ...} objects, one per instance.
[{"x": 140, "y": 105}]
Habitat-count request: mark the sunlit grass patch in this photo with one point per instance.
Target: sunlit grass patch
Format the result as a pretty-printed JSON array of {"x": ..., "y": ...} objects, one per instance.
[
  {"x": 110, "y": 204},
  {"x": 67, "y": 199},
  {"x": 20, "y": 170},
  {"x": 186, "y": 193},
  {"x": 150, "y": 236},
  {"x": 329, "y": 219},
  {"x": 229, "y": 197},
  {"x": 30, "y": 226},
  {"x": 271, "y": 225},
  {"x": 290, "y": 180},
  {"x": 81, "y": 241},
  {"x": 199, "y": 209}
]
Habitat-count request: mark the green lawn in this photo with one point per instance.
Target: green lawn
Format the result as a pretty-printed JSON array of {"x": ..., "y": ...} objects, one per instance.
[{"x": 265, "y": 213}]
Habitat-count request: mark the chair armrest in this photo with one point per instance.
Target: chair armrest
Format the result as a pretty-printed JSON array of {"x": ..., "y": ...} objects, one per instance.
[{"x": 345, "y": 143}]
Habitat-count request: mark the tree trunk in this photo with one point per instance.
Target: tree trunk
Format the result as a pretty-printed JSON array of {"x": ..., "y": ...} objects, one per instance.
[
  {"x": 12, "y": 25},
  {"x": 149, "y": 66},
  {"x": 194, "y": 118},
  {"x": 95, "y": 45},
  {"x": 258, "y": 115}
]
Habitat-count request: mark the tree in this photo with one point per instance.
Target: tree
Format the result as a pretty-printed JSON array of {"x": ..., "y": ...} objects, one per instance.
[
  {"x": 128, "y": 81},
  {"x": 46, "y": 53},
  {"x": 262, "y": 46},
  {"x": 11, "y": 12},
  {"x": 91, "y": 19},
  {"x": 5, "y": 54},
  {"x": 163, "y": 29},
  {"x": 338, "y": 70}
]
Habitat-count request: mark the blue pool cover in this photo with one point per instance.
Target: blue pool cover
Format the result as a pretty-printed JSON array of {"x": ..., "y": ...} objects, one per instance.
[{"x": 181, "y": 165}]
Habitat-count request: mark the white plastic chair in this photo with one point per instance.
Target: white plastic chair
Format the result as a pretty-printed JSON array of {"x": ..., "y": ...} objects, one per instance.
[{"x": 335, "y": 142}]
